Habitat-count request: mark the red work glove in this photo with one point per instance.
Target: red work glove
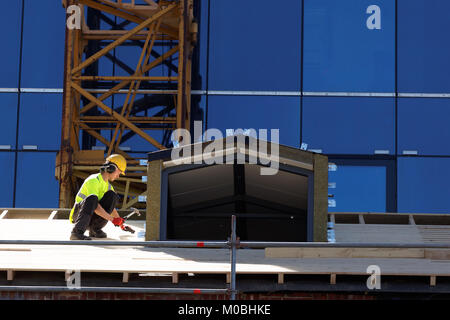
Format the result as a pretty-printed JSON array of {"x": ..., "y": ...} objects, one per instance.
[{"x": 118, "y": 221}]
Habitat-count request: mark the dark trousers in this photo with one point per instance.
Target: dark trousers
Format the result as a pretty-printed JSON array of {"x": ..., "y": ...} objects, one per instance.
[{"x": 86, "y": 218}]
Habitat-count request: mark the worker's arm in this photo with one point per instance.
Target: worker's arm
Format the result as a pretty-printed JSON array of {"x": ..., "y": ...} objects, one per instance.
[
  {"x": 115, "y": 214},
  {"x": 105, "y": 215}
]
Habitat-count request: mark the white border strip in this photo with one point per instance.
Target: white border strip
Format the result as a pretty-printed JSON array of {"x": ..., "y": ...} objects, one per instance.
[
  {"x": 245, "y": 93},
  {"x": 9, "y": 90},
  {"x": 255, "y": 93},
  {"x": 40, "y": 90},
  {"x": 349, "y": 94},
  {"x": 424, "y": 95}
]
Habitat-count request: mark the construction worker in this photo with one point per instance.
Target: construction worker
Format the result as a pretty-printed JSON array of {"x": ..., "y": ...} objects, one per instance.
[{"x": 96, "y": 200}]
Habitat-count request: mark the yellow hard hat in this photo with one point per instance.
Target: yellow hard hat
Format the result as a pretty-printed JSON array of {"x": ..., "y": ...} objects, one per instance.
[{"x": 119, "y": 161}]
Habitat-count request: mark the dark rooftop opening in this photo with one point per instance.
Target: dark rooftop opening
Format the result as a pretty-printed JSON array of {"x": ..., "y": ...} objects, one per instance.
[{"x": 201, "y": 200}]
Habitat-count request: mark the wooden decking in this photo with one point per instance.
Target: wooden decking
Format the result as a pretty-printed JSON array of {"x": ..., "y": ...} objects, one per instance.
[
  {"x": 391, "y": 228},
  {"x": 175, "y": 261}
]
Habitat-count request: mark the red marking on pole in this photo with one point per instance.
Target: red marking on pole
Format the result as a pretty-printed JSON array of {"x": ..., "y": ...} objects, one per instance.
[
  {"x": 197, "y": 291},
  {"x": 200, "y": 244}
]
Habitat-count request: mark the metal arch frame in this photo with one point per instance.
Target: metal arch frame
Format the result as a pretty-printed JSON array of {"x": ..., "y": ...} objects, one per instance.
[{"x": 85, "y": 113}]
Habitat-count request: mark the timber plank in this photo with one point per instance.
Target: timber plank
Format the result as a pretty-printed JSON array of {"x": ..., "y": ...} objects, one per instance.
[{"x": 344, "y": 253}]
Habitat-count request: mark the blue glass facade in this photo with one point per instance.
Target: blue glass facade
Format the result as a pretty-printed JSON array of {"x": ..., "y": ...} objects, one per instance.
[
  {"x": 358, "y": 186},
  {"x": 347, "y": 50},
  {"x": 8, "y": 121},
  {"x": 255, "y": 45},
  {"x": 10, "y": 53},
  {"x": 256, "y": 112},
  {"x": 423, "y": 126},
  {"x": 36, "y": 185},
  {"x": 40, "y": 120},
  {"x": 366, "y": 83},
  {"x": 423, "y": 184},
  {"x": 7, "y": 181},
  {"x": 423, "y": 63},
  {"x": 330, "y": 123},
  {"x": 42, "y": 49}
]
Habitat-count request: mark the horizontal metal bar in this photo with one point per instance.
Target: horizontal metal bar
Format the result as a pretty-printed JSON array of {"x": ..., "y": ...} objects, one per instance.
[
  {"x": 112, "y": 289},
  {"x": 109, "y": 118},
  {"x": 155, "y": 244},
  {"x": 225, "y": 244},
  {"x": 110, "y": 37},
  {"x": 149, "y": 120},
  {"x": 125, "y": 91},
  {"x": 113, "y": 78},
  {"x": 90, "y": 167}
]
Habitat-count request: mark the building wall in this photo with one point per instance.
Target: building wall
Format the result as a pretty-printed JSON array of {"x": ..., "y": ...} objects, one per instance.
[
  {"x": 367, "y": 85},
  {"x": 10, "y": 295}
]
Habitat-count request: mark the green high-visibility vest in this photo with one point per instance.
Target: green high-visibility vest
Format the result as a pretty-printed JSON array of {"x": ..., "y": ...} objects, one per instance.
[{"x": 94, "y": 184}]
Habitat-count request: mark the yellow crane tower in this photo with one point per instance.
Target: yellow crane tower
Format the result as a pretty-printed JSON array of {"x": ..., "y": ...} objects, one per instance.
[{"x": 87, "y": 110}]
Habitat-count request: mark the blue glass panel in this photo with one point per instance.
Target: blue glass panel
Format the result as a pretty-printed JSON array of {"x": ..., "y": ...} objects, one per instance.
[
  {"x": 358, "y": 188},
  {"x": 349, "y": 125},
  {"x": 136, "y": 142},
  {"x": 7, "y": 180},
  {"x": 255, "y": 45},
  {"x": 36, "y": 183},
  {"x": 201, "y": 47},
  {"x": 105, "y": 67},
  {"x": 87, "y": 141},
  {"x": 105, "y": 64},
  {"x": 198, "y": 111},
  {"x": 257, "y": 112},
  {"x": 43, "y": 44},
  {"x": 129, "y": 55},
  {"x": 40, "y": 120},
  {"x": 423, "y": 185},
  {"x": 423, "y": 126},
  {"x": 423, "y": 46},
  {"x": 139, "y": 144},
  {"x": 341, "y": 52},
  {"x": 8, "y": 120},
  {"x": 10, "y": 20}
]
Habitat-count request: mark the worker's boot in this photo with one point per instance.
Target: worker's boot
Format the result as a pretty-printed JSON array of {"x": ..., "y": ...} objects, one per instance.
[
  {"x": 78, "y": 236},
  {"x": 97, "y": 233}
]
